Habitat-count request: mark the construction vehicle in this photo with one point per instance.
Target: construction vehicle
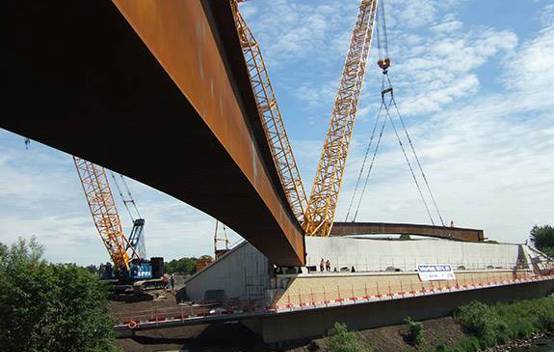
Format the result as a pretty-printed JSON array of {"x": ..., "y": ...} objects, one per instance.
[{"x": 130, "y": 267}]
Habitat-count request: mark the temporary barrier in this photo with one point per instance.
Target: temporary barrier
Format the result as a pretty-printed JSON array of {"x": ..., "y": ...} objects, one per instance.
[{"x": 199, "y": 313}]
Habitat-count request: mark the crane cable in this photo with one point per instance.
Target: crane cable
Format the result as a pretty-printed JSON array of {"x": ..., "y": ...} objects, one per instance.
[
  {"x": 408, "y": 159},
  {"x": 377, "y": 118},
  {"x": 382, "y": 39},
  {"x": 129, "y": 199},
  {"x": 416, "y": 157},
  {"x": 383, "y": 125},
  {"x": 386, "y": 88}
]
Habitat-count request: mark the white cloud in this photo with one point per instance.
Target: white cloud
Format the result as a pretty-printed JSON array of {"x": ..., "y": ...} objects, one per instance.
[
  {"x": 547, "y": 15},
  {"x": 441, "y": 68},
  {"x": 530, "y": 68},
  {"x": 447, "y": 25},
  {"x": 289, "y": 30}
]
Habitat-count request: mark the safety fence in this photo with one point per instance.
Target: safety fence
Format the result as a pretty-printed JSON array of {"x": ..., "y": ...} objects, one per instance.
[
  {"x": 191, "y": 314},
  {"x": 307, "y": 298},
  {"x": 185, "y": 312}
]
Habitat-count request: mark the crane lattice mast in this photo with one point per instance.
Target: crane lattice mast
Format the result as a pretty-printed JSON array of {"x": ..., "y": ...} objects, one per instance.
[
  {"x": 104, "y": 211},
  {"x": 270, "y": 115},
  {"x": 320, "y": 212}
]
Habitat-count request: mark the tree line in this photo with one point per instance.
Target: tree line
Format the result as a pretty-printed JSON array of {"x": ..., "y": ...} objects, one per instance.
[{"x": 542, "y": 238}]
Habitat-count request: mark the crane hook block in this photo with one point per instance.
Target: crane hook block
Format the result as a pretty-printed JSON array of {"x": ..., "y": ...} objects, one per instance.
[{"x": 384, "y": 64}]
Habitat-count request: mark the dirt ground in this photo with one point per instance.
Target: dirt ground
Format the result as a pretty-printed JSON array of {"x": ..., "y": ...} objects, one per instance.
[
  {"x": 128, "y": 304},
  {"x": 394, "y": 338},
  {"x": 204, "y": 338}
]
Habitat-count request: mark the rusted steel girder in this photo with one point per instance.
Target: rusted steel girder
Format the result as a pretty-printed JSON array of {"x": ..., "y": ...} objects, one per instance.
[
  {"x": 157, "y": 91},
  {"x": 373, "y": 228}
]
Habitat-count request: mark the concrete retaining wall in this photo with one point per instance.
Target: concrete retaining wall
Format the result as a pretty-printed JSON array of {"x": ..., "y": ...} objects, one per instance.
[
  {"x": 302, "y": 325},
  {"x": 242, "y": 273},
  {"x": 316, "y": 288},
  {"x": 378, "y": 255}
]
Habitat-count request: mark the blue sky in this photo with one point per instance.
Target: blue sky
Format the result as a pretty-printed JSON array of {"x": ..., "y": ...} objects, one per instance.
[{"x": 474, "y": 80}]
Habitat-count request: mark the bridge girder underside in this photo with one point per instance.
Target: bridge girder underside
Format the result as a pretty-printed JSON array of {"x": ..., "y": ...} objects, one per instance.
[{"x": 157, "y": 91}]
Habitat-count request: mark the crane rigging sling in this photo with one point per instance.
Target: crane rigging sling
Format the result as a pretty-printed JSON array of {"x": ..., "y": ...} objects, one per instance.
[
  {"x": 384, "y": 115},
  {"x": 388, "y": 101}
]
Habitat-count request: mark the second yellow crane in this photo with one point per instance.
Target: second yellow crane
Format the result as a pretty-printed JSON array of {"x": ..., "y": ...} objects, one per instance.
[{"x": 318, "y": 212}]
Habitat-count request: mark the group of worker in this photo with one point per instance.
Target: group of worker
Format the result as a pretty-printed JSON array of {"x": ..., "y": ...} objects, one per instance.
[
  {"x": 168, "y": 281},
  {"x": 324, "y": 265}
]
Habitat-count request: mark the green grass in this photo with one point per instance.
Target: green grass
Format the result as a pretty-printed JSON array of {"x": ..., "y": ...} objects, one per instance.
[{"x": 491, "y": 325}]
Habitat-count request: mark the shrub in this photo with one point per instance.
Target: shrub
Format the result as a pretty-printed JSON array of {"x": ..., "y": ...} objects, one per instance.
[
  {"x": 343, "y": 340},
  {"x": 480, "y": 320},
  {"x": 497, "y": 324},
  {"x": 47, "y": 307},
  {"x": 415, "y": 331},
  {"x": 441, "y": 347}
]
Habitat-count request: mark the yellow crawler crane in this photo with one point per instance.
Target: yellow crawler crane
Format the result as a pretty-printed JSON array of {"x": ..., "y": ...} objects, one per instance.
[
  {"x": 270, "y": 115},
  {"x": 322, "y": 204},
  {"x": 104, "y": 212}
]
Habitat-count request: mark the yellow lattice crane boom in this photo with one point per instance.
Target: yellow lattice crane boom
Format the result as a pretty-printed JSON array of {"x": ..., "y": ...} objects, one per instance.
[
  {"x": 322, "y": 204},
  {"x": 270, "y": 115},
  {"x": 104, "y": 212},
  {"x": 316, "y": 214}
]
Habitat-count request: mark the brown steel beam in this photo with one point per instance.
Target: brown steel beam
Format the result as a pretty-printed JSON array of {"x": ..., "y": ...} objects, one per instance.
[
  {"x": 373, "y": 228},
  {"x": 158, "y": 91}
]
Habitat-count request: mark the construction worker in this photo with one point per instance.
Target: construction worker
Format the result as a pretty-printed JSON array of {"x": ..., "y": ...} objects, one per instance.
[{"x": 322, "y": 265}]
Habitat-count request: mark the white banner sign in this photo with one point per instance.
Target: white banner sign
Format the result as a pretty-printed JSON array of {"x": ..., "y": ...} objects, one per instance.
[{"x": 430, "y": 272}]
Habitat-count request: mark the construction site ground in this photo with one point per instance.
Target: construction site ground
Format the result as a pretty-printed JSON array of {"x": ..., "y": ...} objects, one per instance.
[{"x": 221, "y": 337}]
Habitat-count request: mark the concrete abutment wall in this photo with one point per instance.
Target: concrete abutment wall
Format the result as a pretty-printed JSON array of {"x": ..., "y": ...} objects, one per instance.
[{"x": 297, "y": 326}]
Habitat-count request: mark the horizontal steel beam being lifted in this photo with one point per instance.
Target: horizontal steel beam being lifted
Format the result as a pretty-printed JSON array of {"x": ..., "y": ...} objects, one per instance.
[{"x": 383, "y": 228}]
